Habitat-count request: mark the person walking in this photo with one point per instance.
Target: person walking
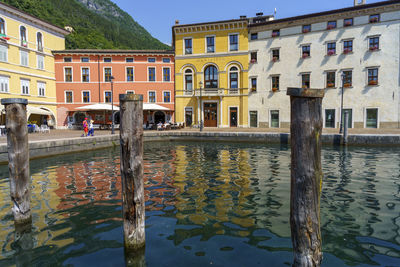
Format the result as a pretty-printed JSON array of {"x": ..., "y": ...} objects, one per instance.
[
  {"x": 91, "y": 129},
  {"x": 85, "y": 127}
]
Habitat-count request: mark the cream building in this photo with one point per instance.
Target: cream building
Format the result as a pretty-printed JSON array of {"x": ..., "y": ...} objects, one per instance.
[
  {"x": 356, "y": 48},
  {"x": 27, "y": 64}
]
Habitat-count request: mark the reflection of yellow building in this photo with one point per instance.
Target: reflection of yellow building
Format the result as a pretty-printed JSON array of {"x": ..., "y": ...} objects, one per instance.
[
  {"x": 211, "y": 65},
  {"x": 26, "y": 61}
]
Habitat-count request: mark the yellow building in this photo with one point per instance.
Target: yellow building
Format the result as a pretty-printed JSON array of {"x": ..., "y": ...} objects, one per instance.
[
  {"x": 27, "y": 64},
  {"x": 211, "y": 73}
]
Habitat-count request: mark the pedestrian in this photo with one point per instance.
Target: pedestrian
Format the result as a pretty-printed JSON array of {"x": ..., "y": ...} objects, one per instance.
[
  {"x": 85, "y": 127},
  {"x": 91, "y": 129}
]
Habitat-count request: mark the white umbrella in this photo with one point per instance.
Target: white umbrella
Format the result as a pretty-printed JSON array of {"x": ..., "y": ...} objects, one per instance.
[
  {"x": 99, "y": 107},
  {"x": 151, "y": 106}
]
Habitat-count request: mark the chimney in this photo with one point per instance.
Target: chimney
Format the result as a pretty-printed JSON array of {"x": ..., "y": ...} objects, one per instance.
[
  {"x": 259, "y": 14},
  {"x": 359, "y": 2},
  {"x": 177, "y": 22},
  {"x": 243, "y": 17}
]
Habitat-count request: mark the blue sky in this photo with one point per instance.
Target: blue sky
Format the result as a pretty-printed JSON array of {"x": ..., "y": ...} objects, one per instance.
[{"x": 158, "y": 17}]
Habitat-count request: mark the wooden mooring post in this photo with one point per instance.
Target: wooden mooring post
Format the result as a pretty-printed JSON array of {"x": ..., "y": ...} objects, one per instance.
[
  {"x": 131, "y": 138},
  {"x": 306, "y": 175},
  {"x": 18, "y": 159}
]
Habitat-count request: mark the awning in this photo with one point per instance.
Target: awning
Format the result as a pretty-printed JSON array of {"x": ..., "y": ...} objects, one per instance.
[
  {"x": 98, "y": 107},
  {"x": 153, "y": 107},
  {"x": 37, "y": 111}
]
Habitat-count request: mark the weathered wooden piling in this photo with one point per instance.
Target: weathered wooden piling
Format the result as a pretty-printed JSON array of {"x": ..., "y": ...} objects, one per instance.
[
  {"x": 18, "y": 158},
  {"x": 131, "y": 137},
  {"x": 306, "y": 175}
]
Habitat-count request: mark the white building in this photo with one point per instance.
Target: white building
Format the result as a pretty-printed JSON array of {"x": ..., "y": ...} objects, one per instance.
[{"x": 359, "y": 44}]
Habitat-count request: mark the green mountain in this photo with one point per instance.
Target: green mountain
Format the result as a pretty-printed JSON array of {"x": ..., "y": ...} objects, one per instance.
[{"x": 97, "y": 24}]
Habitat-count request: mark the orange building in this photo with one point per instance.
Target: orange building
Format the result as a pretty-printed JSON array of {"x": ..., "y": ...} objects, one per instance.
[{"x": 88, "y": 77}]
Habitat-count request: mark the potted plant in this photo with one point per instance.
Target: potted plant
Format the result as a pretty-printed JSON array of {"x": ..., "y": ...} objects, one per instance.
[
  {"x": 330, "y": 85},
  {"x": 373, "y": 82},
  {"x": 304, "y": 87},
  {"x": 274, "y": 59},
  {"x": 331, "y": 52},
  {"x": 346, "y": 50},
  {"x": 253, "y": 60},
  {"x": 330, "y": 27},
  {"x": 306, "y": 30},
  {"x": 373, "y": 20},
  {"x": 274, "y": 89},
  {"x": 346, "y": 85},
  {"x": 347, "y": 23},
  {"x": 305, "y": 55},
  {"x": 275, "y": 34},
  {"x": 373, "y": 48},
  {"x": 253, "y": 89}
]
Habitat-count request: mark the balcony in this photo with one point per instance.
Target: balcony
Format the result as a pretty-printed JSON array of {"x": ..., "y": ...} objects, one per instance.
[{"x": 209, "y": 92}]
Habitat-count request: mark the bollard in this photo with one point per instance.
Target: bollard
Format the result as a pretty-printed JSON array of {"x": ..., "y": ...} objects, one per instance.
[
  {"x": 131, "y": 138},
  {"x": 345, "y": 128},
  {"x": 306, "y": 175},
  {"x": 18, "y": 158}
]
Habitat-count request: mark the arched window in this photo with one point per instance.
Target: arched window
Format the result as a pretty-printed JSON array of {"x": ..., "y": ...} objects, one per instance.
[
  {"x": 2, "y": 27},
  {"x": 22, "y": 33},
  {"x": 39, "y": 41},
  {"x": 211, "y": 77},
  {"x": 188, "y": 80},
  {"x": 234, "y": 77}
]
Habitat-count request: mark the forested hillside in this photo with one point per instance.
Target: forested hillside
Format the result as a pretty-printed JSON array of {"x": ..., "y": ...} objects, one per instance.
[{"x": 97, "y": 24}]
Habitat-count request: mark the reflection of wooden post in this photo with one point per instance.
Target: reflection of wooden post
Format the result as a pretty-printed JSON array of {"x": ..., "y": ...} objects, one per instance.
[
  {"x": 346, "y": 126},
  {"x": 18, "y": 158},
  {"x": 306, "y": 175},
  {"x": 131, "y": 135}
]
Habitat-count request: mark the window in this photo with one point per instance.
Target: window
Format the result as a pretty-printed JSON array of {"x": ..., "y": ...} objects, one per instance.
[
  {"x": 86, "y": 96},
  {"x": 39, "y": 41},
  {"x": 152, "y": 74},
  {"x": 151, "y": 59},
  {"x": 373, "y": 43},
  {"x": 233, "y": 80},
  {"x": 166, "y": 74},
  {"x": 253, "y": 84},
  {"x": 107, "y": 59},
  {"x": 22, "y": 34},
  {"x": 305, "y": 51},
  {"x": 167, "y": 97},
  {"x": 348, "y": 22},
  {"x": 152, "y": 97},
  {"x": 41, "y": 89},
  {"x": 210, "y": 44},
  {"x": 233, "y": 42},
  {"x": 254, "y": 36},
  {"x": 374, "y": 18},
  {"x": 373, "y": 76},
  {"x": 329, "y": 118},
  {"x": 275, "y": 83},
  {"x": 188, "y": 80},
  {"x": 68, "y": 59},
  {"x": 3, "y": 53},
  {"x": 40, "y": 62},
  {"x": 129, "y": 74},
  {"x": 330, "y": 79},
  {"x": 25, "y": 87},
  {"x": 129, "y": 59},
  {"x": 107, "y": 74},
  {"x": 85, "y": 75},
  {"x": 372, "y": 118},
  {"x": 68, "y": 74},
  {"x": 188, "y": 46},
  {"x": 166, "y": 60},
  {"x": 4, "y": 84},
  {"x": 24, "y": 58},
  {"x": 331, "y": 48},
  {"x": 276, "y": 33},
  {"x": 68, "y": 97},
  {"x": 253, "y": 57},
  {"x": 275, "y": 55},
  {"x": 305, "y": 81},
  {"x": 107, "y": 97},
  {"x": 347, "y": 46},
  {"x": 2, "y": 27},
  {"x": 306, "y": 28},
  {"x": 84, "y": 59},
  {"x": 347, "y": 78},
  {"x": 331, "y": 25},
  {"x": 274, "y": 118},
  {"x": 211, "y": 77},
  {"x": 253, "y": 119}
]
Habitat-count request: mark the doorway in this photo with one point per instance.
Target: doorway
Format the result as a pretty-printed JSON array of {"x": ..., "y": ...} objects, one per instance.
[
  {"x": 188, "y": 117},
  {"x": 233, "y": 115},
  {"x": 159, "y": 116},
  {"x": 210, "y": 114}
]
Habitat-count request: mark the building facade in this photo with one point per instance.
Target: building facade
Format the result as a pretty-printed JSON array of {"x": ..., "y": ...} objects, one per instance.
[
  {"x": 27, "y": 64},
  {"x": 354, "y": 48},
  {"x": 84, "y": 77},
  {"x": 211, "y": 68}
]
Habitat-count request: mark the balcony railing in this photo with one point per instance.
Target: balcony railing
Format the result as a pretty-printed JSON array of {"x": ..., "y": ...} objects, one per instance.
[{"x": 214, "y": 92}]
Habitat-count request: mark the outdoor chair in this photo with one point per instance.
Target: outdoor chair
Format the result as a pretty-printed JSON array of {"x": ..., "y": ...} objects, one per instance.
[{"x": 44, "y": 128}]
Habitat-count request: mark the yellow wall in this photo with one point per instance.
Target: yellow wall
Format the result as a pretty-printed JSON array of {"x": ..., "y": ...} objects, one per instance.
[
  {"x": 223, "y": 59},
  {"x": 12, "y": 68}
]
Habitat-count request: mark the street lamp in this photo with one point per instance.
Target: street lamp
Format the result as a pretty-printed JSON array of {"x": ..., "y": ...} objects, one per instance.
[
  {"x": 341, "y": 105},
  {"x": 112, "y": 104},
  {"x": 201, "y": 108}
]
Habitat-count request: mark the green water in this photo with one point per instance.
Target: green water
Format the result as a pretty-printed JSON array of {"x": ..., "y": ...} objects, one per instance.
[{"x": 215, "y": 204}]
